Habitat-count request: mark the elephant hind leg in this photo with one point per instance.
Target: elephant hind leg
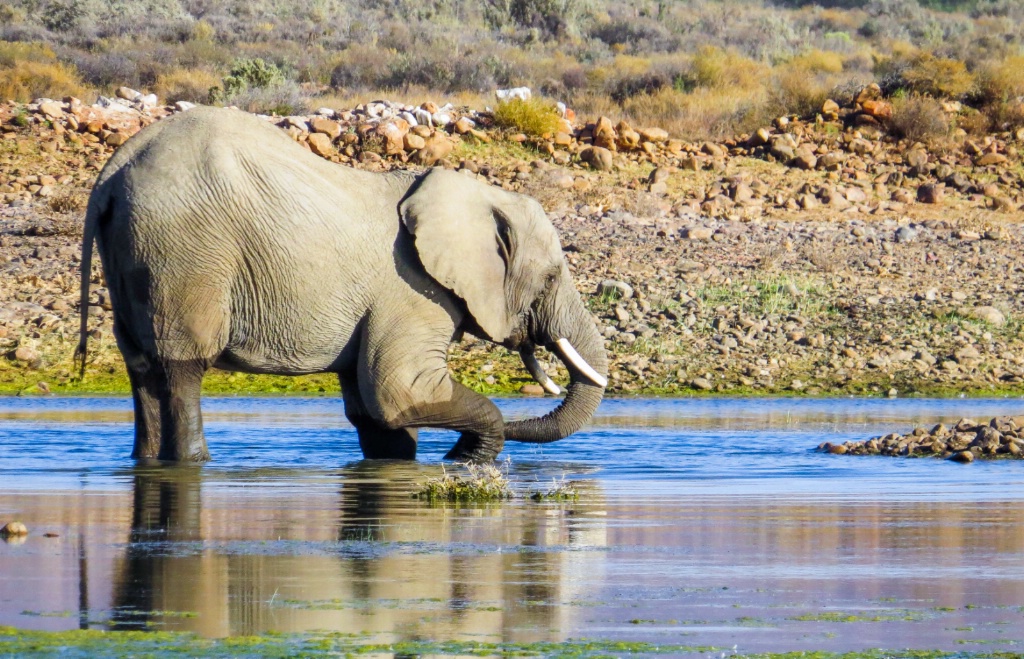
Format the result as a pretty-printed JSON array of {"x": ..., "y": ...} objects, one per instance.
[
  {"x": 181, "y": 422},
  {"x": 377, "y": 441}
]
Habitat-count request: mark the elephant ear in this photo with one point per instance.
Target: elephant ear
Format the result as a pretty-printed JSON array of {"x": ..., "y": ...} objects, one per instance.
[{"x": 462, "y": 241}]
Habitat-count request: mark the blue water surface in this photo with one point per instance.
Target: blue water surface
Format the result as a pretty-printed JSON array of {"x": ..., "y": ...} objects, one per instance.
[{"x": 646, "y": 446}]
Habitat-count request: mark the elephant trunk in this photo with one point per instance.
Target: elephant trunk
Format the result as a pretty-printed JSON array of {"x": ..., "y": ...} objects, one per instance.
[{"x": 581, "y": 349}]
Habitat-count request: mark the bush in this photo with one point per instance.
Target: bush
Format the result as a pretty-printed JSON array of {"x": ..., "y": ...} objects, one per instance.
[
  {"x": 186, "y": 85},
  {"x": 938, "y": 76},
  {"x": 283, "y": 99},
  {"x": 252, "y": 73},
  {"x": 30, "y": 80},
  {"x": 1002, "y": 82},
  {"x": 11, "y": 53},
  {"x": 919, "y": 118},
  {"x": 714, "y": 68},
  {"x": 533, "y": 117}
]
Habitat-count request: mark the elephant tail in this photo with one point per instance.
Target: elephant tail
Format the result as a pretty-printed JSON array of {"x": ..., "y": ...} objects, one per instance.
[{"x": 96, "y": 209}]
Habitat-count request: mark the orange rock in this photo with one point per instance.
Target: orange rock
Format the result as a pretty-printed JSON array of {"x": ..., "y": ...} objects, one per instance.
[
  {"x": 878, "y": 109},
  {"x": 604, "y": 134}
]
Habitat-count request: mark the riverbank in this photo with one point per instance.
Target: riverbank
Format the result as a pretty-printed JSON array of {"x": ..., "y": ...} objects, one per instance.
[{"x": 882, "y": 267}]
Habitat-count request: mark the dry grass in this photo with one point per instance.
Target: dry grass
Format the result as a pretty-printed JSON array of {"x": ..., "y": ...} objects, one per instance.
[
  {"x": 26, "y": 81},
  {"x": 186, "y": 85},
  {"x": 919, "y": 119},
  {"x": 938, "y": 76},
  {"x": 535, "y": 117}
]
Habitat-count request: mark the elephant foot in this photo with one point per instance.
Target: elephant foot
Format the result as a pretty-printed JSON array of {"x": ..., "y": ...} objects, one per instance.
[{"x": 475, "y": 449}]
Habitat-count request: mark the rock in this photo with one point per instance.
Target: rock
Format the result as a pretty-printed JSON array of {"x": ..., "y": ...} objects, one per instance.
[
  {"x": 414, "y": 142},
  {"x": 597, "y": 157},
  {"x": 628, "y": 139},
  {"x": 990, "y": 159},
  {"x": 830, "y": 107},
  {"x": 655, "y": 135},
  {"x": 877, "y": 109},
  {"x": 905, "y": 235},
  {"x": 931, "y": 193},
  {"x": 331, "y": 129},
  {"x": 531, "y": 390},
  {"x": 804, "y": 160},
  {"x": 434, "y": 152},
  {"x": 604, "y": 134},
  {"x": 320, "y": 144},
  {"x": 184, "y": 106},
  {"x": 916, "y": 158},
  {"x": 51, "y": 109},
  {"x": 702, "y": 384},
  {"x": 990, "y": 315},
  {"x": 26, "y": 354},
  {"x": 870, "y": 93},
  {"x": 614, "y": 290},
  {"x": 698, "y": 233},
  {"x": 14, "y": 530},
  {"x": 116, "y": 139},
  {"x": 962, "y": 456},
  {"x": 463, "y": 125}
]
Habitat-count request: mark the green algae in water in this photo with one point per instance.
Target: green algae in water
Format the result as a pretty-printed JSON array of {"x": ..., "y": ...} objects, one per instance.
[{"x": 95, "y": 643}]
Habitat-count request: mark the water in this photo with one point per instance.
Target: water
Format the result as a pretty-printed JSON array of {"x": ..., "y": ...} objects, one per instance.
[{"x": 700, "y": 522}]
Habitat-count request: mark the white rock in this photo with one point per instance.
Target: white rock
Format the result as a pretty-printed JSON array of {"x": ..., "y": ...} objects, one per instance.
[
  {"x": 409, "y": 118},
  {"x": 112, "y": 104},
  {"x": 149, "y": 101},
  {"x": 183, "y": 106},
  {"x": 423, "y": 117},
  {"x": 441, "y": 118},
  {"x": 522, "y": 93},
  {"x": 325, "y": 112},
  {"x": 560, "y": 106}
]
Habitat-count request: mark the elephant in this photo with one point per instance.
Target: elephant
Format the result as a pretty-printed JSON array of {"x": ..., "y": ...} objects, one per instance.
[{"x": 225, "y": 244}]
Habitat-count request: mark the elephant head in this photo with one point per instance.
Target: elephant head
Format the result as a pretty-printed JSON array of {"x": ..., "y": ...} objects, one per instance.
[{"x": 499, "y": 253}]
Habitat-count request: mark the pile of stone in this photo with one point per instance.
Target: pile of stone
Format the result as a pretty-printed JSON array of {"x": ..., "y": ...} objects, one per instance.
[{"x": 966, "y": 441}]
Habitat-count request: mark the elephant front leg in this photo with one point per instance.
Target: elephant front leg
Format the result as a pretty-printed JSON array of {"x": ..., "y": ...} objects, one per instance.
[
  {"x": 377, "y": 441},
  {"x": 475, "y": 416}
]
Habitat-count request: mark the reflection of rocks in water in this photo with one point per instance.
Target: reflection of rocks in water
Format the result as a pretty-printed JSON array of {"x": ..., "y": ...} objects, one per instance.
[{"x": 370, "y": 558}]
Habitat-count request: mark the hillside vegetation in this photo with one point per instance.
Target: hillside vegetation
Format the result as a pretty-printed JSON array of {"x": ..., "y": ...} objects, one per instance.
[{"x": 698, "y": 69}]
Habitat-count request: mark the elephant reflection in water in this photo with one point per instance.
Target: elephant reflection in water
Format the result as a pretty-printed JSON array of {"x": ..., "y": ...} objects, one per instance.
[{"x": 391, "y": 565}]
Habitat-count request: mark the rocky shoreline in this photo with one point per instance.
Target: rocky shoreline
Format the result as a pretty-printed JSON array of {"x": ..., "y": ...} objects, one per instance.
[
  {"x": 966, "y": 441},
  {"x": 819, "y": 256}
]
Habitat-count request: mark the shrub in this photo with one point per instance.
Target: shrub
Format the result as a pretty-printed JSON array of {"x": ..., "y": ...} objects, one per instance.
[
  {"x": 30, "y": 80},
  {"x": 938, "y": 76},
  {"x": 795, "y": 91},
  {"x": 534, "y": 117},
  {"x": 283, "y": 99},
  {"x": 919, "y": 118},
  {"x": 714, "y": 68},
  {"x": 252, "y": 73},
  {"x": 11, "y": 53},
  {"x": 1001, "y": 82},
  {"x": 817, "y": 61},
  {"x": 186, "y": 85}
]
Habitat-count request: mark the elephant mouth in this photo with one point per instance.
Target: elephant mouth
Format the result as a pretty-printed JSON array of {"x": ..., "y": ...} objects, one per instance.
[{"x": 569, "y": 356}]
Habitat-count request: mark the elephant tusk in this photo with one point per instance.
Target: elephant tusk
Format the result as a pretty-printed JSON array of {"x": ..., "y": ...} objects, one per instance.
[
  {"x": 538, "y": 374},
  {"x": 570, "y": 355}
]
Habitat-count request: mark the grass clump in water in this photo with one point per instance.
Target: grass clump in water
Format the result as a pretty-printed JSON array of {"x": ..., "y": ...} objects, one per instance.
[
  {"x": 479, "y": 483},
  {"x": 560, "y": 490}
]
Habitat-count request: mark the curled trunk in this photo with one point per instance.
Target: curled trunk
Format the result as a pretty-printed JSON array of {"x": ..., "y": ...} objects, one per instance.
[{"x": 584, "y": 393}]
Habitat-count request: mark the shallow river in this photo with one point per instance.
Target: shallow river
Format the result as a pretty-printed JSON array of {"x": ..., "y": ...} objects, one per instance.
[{"x": 699, "y": 523}]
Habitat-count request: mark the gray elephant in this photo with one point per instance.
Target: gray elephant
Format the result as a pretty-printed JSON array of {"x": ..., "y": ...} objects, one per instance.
[{"x": 225, "y": 244}]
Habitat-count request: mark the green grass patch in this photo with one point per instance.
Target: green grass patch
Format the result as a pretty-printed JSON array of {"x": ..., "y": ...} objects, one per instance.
[{"x": 476, "y": 483}]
